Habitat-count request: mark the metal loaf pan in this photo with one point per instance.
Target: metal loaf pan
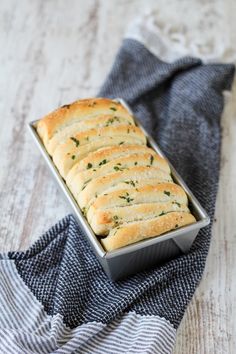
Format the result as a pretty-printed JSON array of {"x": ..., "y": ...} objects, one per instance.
[{"x": 144, "y": 254}]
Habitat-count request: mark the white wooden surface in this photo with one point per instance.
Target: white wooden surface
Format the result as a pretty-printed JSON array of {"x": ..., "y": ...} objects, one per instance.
[{"x": 53, "y": 52}]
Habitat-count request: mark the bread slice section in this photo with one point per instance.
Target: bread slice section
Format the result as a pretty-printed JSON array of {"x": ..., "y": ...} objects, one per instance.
[
  {"x": 119, "y": 164},
  {"x": 76, "y": 112},
  {"x": 103, "y": 220},
  {"x": 93, "y": 123},
  {"x": 104, "y": 155},
  {"x": 137, "y": 231},
  {"x": 77, "y": 147},
  {"x": 100, "y": 185},
  {"x": 161, "y": 193}
]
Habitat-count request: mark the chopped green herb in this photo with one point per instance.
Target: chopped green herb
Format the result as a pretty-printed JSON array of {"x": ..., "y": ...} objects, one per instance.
[
  {"x": 73, "y": 157},
  {"x": 132, "y": 183},
  {"x": 102, "y": 162},
  {"x": 167, "y": 193},
  {"x": 128, "y": 131},
  {"x": 113, "y": 109},
  {"x": 179, "y": 205},
  {"x": 96, "y": 195},
  {"x": 135, "y": 164},
  {"x": 176, "y": 225},
  {"x": 162, "y": 213},
  {"x": 87, "y": 138},
  {"x": 89, "y": 165},
  {"x": 151, "y": 160},
  {"x": 84, "y": 211},
  {"x": 76, "y": 141},
  {"x": 122, "y": 142},
  {"x": 94, "y": 169},
  {"x": 112, "y": 120},
  {"x": 115, "y": 219},
  {"x": 85, "y": 183},
  {"x": 126, "y": 197},
  {"x": 119, "y": 168}
]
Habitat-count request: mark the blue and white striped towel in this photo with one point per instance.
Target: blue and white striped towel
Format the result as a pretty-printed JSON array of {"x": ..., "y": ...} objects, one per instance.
[{"x": 54, "y": 297}]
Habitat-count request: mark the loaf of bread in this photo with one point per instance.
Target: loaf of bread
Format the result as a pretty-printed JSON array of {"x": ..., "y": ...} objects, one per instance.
[{"x": 123, "y": 187}]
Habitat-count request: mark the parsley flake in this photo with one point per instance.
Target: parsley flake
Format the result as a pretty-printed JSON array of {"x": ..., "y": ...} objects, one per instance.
[
  {"x": 76, "y": 141},
  {"x": 126, "y": 197},
  {"x": 84, "y": 211},
  {"x": 179, "y": 205},
  {"x": 102, "y": 162},
  {"x": 112, "y": 120},
  {"x": 132, "y": 183},
  {"x": 162, "y": 213}
]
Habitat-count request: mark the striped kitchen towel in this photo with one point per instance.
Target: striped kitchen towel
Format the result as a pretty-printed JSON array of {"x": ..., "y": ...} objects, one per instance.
[{"x": 54, "y": 297}]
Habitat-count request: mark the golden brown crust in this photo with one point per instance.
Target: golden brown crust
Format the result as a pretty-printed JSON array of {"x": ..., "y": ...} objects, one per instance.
[
  {"x": 102, "y": 221},
  {"x": 100, "y": 185},
  {"x": 75, "y": 112},
  {"x": 140, "y": 230}
]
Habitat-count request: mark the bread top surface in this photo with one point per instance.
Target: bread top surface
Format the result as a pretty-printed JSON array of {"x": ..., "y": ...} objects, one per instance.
[
  {"x": 75, "y": 112},
  {"x": 124, "y": 187}
]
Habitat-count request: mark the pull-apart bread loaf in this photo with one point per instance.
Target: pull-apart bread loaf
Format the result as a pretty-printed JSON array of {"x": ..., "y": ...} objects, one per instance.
[{"x": 122, "y": 186}]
